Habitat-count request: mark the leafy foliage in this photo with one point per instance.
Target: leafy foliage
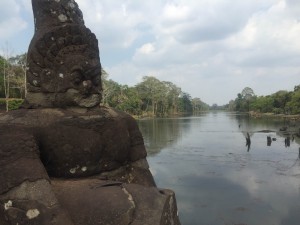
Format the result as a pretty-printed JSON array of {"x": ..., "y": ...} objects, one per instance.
[
  {"x": 281, "y": 102},
  {"x": 293, "y": 105},
  {"x": 12, "y": 71},
  {"x": 150, "y": 97},
  {"x": 12, "y": 103}
]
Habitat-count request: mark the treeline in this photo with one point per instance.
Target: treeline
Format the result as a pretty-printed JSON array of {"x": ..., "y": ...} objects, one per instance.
[
  {"x": 12, "y": 76},
  {"x": 281, "y": 102},
  {"x": 151, "y": 97},
  {"x": 12, "y": 81}
]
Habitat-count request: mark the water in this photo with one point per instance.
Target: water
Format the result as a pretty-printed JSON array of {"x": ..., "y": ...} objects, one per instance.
[{"x": 216, "y": 180}]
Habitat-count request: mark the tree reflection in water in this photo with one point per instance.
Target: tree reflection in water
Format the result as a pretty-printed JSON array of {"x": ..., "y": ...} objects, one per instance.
[
  {"x": 160, "y": 133},
  {"x": 215, "y": 180}
]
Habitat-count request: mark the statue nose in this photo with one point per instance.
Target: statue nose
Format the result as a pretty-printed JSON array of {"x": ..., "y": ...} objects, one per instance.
[{"x": 87, "y": 84}]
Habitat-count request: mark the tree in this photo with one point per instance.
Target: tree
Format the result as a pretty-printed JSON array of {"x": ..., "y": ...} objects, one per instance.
[
  {"x": 129, "y": 101},
  {"x": 240, "y": 103},
  {"x": 111, "y": 90},
  {"x": 263, "y": 104},
  {"x": 159, "y": 98},
  {"x": 199, "y": 106},
  {"x": 281, "y": 98},
  {"x": 297, "y": 88},
  {"x": 294, "y": 104},
  {"x": 247, "y": 94},
  {"x": 185, "y": 103},
  {"x": 8, "y": 73},
  {"x": 111, "y": 93},
  {"x": 231, "y": 105},
  {"x": 19, "y": 63},
  {"x": 173, "y": 93},
  {"x": 279, "y": 102},
  {"x": 150, "y": 91},
  {"x": 2, "y": 65}
]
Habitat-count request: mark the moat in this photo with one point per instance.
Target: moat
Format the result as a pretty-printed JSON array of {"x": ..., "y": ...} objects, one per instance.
[{"x": 216, "y": 179}]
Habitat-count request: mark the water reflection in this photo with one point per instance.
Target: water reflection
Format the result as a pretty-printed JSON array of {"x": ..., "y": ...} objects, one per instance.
[
  {"x": 269, "y": 140},
  {"x": 216, "y": 181},
  {"x": 248, "y": 142},
  {"x": 161, "y": 133},
  {"x": 287, "y": 142}
]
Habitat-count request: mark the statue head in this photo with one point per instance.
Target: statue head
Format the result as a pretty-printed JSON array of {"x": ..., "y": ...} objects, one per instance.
[{"x": 63, "y": 58}]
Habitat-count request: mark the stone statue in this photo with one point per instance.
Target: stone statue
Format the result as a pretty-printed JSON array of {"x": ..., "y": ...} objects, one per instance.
[
  {"x": 64, "y": 159},
  {"x": 63, "y": 58}
]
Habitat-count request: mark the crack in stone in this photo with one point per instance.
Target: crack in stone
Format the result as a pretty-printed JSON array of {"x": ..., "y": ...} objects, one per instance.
[
  {"x": 133, "y": 205},
  {"x": 109, "y": 184}
]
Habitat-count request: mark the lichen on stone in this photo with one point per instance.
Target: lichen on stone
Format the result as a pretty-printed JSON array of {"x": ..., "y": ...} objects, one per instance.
[
  {"x": 63, "y": 18},
  {"x": 8, "y": 205},
  {"x": 32, "y": 213}
]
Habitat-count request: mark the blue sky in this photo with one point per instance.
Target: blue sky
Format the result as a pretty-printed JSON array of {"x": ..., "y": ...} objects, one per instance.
[{"x": 212, "y": 49}]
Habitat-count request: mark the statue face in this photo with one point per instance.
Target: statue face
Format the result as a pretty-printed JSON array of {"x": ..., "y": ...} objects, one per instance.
[
  {"x": 66, "y": 60},
  {"x": 79, "y": 73}
]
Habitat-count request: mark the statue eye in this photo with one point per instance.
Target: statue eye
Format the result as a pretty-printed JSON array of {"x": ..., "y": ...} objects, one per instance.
[
  {"x": 94, "y": 74},
  {"x": 96, "y": 80},
  {"x": 76, "y": 77}
]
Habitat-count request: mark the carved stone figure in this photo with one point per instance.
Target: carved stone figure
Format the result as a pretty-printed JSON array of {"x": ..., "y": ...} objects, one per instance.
[
  {"x": 65, "y": 160},
  {"x": 63, "y": 57}
]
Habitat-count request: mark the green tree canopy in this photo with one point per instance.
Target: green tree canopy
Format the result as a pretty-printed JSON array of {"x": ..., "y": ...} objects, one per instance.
[{"x": 280, "y": 102}]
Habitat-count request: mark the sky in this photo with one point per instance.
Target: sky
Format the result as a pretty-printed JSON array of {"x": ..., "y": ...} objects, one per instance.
[{"x": 212, "y": 49}]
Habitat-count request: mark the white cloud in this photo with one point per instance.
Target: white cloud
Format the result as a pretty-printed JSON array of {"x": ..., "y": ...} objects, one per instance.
[
  {"x": 10, "y": 27},
  {"x": 9, "y": 9},
  {"x": 270, "y": 39},
  {"x": 26, "y": 4},
  {"x": 116, "y": 24},
  {"x": 11, "y": 21},
  {"x": 175, "y": 13},
  {"x": 146, "y": 49},
  {"x": 200, "y": 45}
]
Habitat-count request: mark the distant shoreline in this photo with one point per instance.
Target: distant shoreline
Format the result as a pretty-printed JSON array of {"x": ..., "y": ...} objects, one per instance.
[{"x": 283, "y": 116}]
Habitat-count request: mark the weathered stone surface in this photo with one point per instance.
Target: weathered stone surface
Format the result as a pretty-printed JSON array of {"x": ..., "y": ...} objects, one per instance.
[
  {"x": 92, "y": 201},
  {"x": 126, "y": 204},
  {"x": 78, "y": 144},
  {"x": 63, "y": 58},
  {"x": 19, "y": 158},
  {"x": 64, "y": 160},
  {"x": 155, "y": 206},
  {"x": 32, "y": 203},
  {"x": 94, "y": 145}
]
